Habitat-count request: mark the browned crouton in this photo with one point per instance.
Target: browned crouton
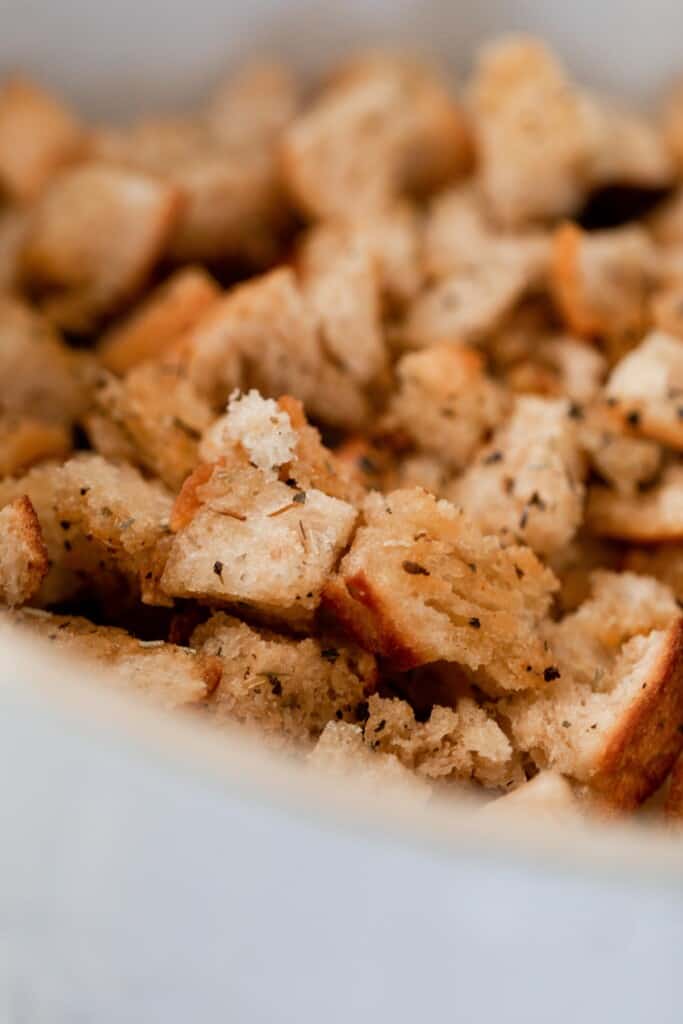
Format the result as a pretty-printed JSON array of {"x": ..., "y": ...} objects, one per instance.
[
  {"x": 534, "y": 147},
  {"x": 445, "y": 404},
  {"x": 620, "y": 735},
  {"x": 23, "y": 555},
  {"x": 244, "y": 539},
  {"x": 38, "y": 136},
  {"x": 263, "y": 334},
  {"x": 649, "y": 517},
  {"x": 250, "y": 108},
  {"x": 526, "y": 483},
  {"x": 13, "y": 221},
  {"x": 341, "y": 753},
  {"x": 462, "y": 744},
  {"x": 164, "y": 675},
  {"x": 384, "y": 125},
  {"x": 645, "y": 389},
  {"x": 603, "y": 281},
  {"x": 24, "y": 441},
  {"x": 422, "y": 584},
  {"x": 153, "y": 418},
  {"x": 165, "y": 315},
  {"x": 93, "y": 237},
  {"x": 673, "y": 808},
  {"x": 39, "y": 376},
  {"x": 281, "y": 686}
]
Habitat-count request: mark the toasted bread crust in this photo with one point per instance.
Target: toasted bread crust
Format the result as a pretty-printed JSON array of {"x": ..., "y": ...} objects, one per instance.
[{"x": 648, "y": 738}]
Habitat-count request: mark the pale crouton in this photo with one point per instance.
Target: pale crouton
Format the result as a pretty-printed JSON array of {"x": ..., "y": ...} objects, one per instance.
[
  {"x": 164, "y": 675},
  {"x": 627, "y": 149},
  {"x": 667, "y": 309},
  {"x": 645, "y": 389},
  {"x": 93, "y": 237},
  {"x": 393, "y": 237},
  {"x": 383, "y": 126},
  {"x": 25, "y": 441},
  {"x": 166, "y": 314},
  {"x": 242, "y": 540},
  {"x": 340, "y": 753},
  {"x": 620, "y": 738},
  {"x": 155, "y": 419},
  {"x": 38, "y": 136},
  {"x": 109, "y": 515},
  {"x": 459, "y": 233},
  {"x": 252, "y": 107},
  {"x": 445, "y": 404},
  {"x": 575, "y": 563},
  {"x": 344, "y": 298},
  {"x": 284, "y": 687},
  {"x": 527, "y": 483},
  {"x": 462, "y": 744},
  {"x": 665, "y": 563},
  {"x": 23, "y": 555},
  {"x": 625, "y": 462},
  {"x": 39, "y": 376},
  {"x": 466, "y": 305},
  {"x": 673, "y": 122},
  {"x": 421, "y": 584},
  {"x": 649, "y": 517},
  {"x": 534, "y": 147},
  {"x": 548, "y": 797},
  {"x": 602, "y": 282},
  {"x": 263, "y": 334}
]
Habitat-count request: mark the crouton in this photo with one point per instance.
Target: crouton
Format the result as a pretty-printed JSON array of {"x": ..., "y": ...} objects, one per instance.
[
  {"x": 575, "y": 563},
  {"x": 25, "y": 441},
  {"x": 251, "y": 108},
  {"x": 547, "y": 797},
  {"x": 242, "y": 540},
  {"x": 341, "y": 753},
  {"x": 620, "y": 737},
  {"x": 626, "y": 148},
  {"x": 462, "y": 744},
  {"x": 166, "y": 314},
  {"x": 39, "y": 376},
  {"x": 109, "y": 516},
  {"x": 624, "y": 462},
  {"x": 665, "y": 563},
  {"x": 459, "y": 233},
  {"x": 383, "y": 126},
  {"x": 38, "y": 136},
  {"x": 673, "y": 122},
  {"x": 422, "y": 584},
  {"x": 23, "y": 555},
  {"x": 13, "y": 221},
  {"x": 673, "y": 808},
  {"x": 391, "y": 237},
  {"x": 527, "y": 482},
  {"x": 602, "y": 282},
  {"x": 667, "y": 309},
  {"x": 533, "y": 143},
  {"x": 162, "y": 674},
  {"x": 645, "y": 389},
  {"x": 93, "y": 237},
  {"x": 155, "y": 419},
  {"x": 466, "y": 305},
  {"x": 263, "y": 334},
  {"x": 652, "y": 516},
  {"x": 281, "y": 686},
  {"x": 344, "y": 298},
  {"x": 445, "y": 404}
]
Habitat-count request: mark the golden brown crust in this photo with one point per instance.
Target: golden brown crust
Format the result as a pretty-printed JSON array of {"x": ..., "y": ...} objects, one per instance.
[
  {"x": 649, "y": 736},
  {"x": 24, "y": 561}
]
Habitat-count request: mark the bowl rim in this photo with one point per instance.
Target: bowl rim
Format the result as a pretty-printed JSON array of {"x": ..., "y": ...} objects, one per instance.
[{"x": 51, "y": 683}]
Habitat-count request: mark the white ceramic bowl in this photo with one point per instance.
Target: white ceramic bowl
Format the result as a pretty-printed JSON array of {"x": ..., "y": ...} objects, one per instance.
[{"x": 150, "y": 871}]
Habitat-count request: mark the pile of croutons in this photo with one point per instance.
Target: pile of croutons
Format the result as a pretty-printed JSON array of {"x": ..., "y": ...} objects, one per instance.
[{"x": 355, "y": 417}]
